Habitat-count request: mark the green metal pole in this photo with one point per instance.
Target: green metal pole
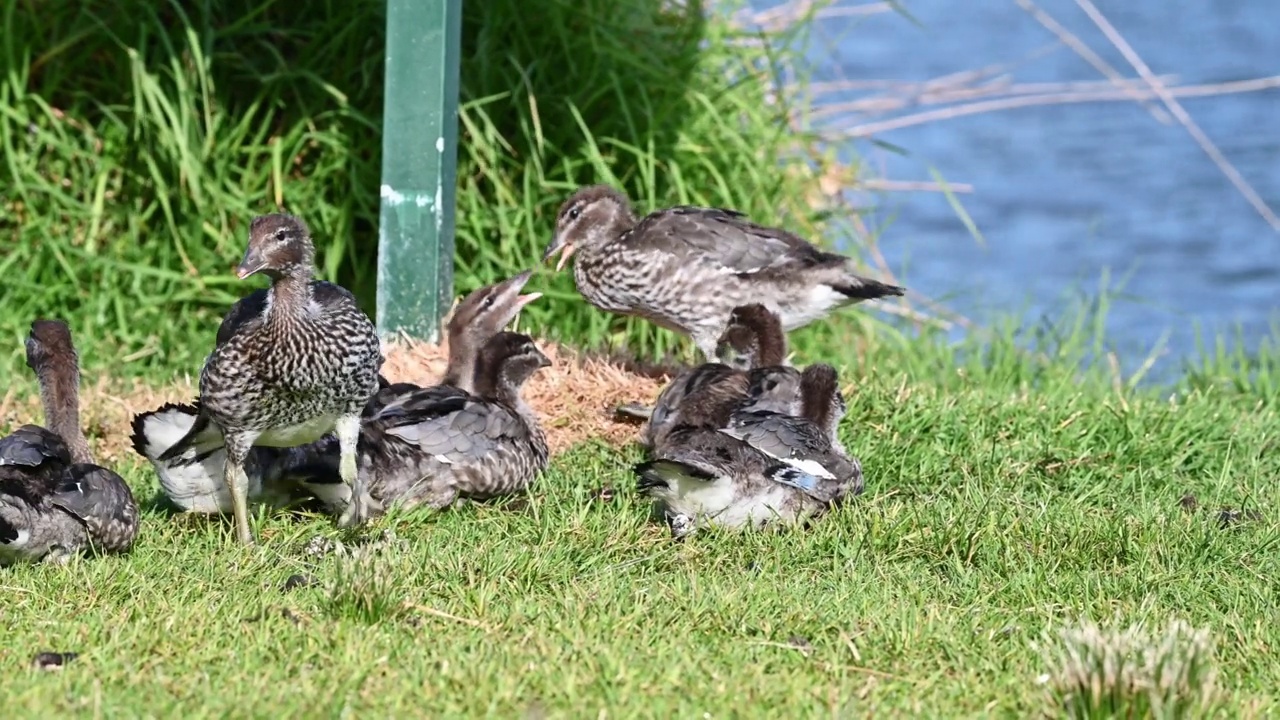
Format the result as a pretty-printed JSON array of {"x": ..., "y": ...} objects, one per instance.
[{"x": 419, "y": 167}]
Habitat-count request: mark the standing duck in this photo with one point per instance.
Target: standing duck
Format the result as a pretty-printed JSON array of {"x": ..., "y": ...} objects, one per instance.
[
  {"x": 193, "y": 479},
  {"x": 686, "y": 268},
  {"x": 432, "y": 446},
  {"x": 291, "y": 364},
  {"x": 55, "y": 503}
]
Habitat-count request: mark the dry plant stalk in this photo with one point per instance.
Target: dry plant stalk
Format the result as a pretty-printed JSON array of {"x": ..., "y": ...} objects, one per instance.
[{"x": 1096, "y": 672}]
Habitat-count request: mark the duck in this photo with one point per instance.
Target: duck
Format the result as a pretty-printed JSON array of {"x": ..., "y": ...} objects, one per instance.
[
  {"x": 762, "y": 466},
  {"x": 278, "y": 477},
  {"x": 686, "y": 268},
  {"x": 435, "y": 446},
  {"x": 808, "y": 438},
  {"x": 290, "y": 364},
  {"x": 749, "y": 369},
  {"x": 56, "y": 503},
  {"x": 707, "y": 478}
]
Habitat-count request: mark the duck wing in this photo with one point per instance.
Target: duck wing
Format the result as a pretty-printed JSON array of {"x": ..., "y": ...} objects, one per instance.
[
  {"x": 102, "y": 501},
  {"x": 726, "y": 238}
]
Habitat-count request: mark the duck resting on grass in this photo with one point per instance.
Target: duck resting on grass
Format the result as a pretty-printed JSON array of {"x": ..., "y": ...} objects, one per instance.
[
  {"x": 761, "y": 467},
  {"x": 686, "y": 268},
  {"x": 192, "y": 480},
  {"x": 705, "y": 394},
  {"x": 807, "y": 439},
  {"x": 55, "y": 502},
  {"x": 433, "y": 446},
  {"x": 290, "y": 364}
]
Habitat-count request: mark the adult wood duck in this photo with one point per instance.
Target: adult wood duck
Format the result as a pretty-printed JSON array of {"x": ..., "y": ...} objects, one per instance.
[{"x": 686, "y": 268}]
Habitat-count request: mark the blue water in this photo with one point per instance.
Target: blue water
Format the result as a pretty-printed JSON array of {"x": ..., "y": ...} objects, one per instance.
[{"x": 1066, "y": 193}]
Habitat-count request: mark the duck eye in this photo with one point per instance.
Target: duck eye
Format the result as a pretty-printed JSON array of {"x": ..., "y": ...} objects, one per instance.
[
  {"x": 280, "y": 234},
  {"x": 488, "y": 302},
  {"x": 574, "y": 213}
]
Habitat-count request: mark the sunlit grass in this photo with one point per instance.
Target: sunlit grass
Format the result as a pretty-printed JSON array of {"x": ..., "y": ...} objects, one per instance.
[{"x": 1010, "y": 496}]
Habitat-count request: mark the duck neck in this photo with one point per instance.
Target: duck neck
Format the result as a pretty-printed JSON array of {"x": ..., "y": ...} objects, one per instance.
[
  {"x": 60, "y": 397},
  {"x": 461, "y": 370},
  {"x": 290, "y": 294},
  {"x": 771, "y": 344}
]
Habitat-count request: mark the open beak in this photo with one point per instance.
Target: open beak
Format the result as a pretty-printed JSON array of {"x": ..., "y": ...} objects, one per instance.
[
  {"x": 558, "y": 246},
  {"x": 518, "y": 282},
  {"x": 251, "y": 264}
]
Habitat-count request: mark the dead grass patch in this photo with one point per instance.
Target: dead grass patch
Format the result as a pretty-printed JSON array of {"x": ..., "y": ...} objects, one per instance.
[{"x": 574, "y": 398}]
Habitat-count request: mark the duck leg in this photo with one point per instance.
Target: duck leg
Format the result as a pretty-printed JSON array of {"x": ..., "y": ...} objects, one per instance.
[
  {"x": 348, "y": 431},
  {"x": 238, "y": 446}
]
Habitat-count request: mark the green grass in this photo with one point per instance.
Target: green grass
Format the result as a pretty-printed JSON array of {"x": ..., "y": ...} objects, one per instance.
[
  {"x": 139, "y": 138},
  {"x": 1010, "y": 496}
]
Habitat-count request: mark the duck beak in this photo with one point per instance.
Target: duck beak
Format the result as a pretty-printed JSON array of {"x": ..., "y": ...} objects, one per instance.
[
  {"x": 544, "y": 361},
  {"x": 251, "y": 264},
  {"x": 517, "y": 283},
  {"x": 559, "y": 246}
]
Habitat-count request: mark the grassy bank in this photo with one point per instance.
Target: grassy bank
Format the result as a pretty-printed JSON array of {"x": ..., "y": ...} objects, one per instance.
[
  {"x": 140, "y": 137},
  {"x": 1017, "y": 486},
  {"x": 1009, "y": 496}
]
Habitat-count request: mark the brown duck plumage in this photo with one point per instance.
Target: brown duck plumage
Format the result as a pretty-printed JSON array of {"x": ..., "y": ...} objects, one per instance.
[
  {"x": 686, "y": 268},
  {"x": 55, "y": 502},
  {"x": 290, "y": 364}
]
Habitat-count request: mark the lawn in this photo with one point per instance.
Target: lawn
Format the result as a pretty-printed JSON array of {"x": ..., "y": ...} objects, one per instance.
[{"x": 1008, "y": 497}]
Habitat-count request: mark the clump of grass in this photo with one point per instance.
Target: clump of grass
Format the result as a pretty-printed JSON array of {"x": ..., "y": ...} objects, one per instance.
[
  {"x": 363, "y": 587},
  {"x": 1097, "y": 672}
]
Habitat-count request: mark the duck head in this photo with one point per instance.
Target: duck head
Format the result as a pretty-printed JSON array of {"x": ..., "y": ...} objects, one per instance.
[
  {"x": 505, "y": 364},
  {"x": 591, "y": 218},
  {"x": 753, "y": 338},
  {"x": 279, "y": 246},
  {"x": 489, "y": 309},
  {"x": 820, "y": 398}
]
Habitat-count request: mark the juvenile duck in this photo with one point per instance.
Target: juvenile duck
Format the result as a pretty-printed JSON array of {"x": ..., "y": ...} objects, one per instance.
[
  {"x": 54, "y": 501},
  {"x": 686, "y": 268},
  {"x": 193, "y": 479},
  {"x": 703, "y": 395},
  {"x": 756, "y": 346},
  {"x": 432, "y": 446},
  {"x": 807, "y": 440},
  {"x": 705, "y": 478},
  {"x": 481, "y": 315},
  {"x": 290, "y": 364}
]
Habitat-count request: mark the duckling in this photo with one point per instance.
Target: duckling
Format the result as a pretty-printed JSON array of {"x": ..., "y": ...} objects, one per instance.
[
  {"x": 56, "y": 503},
  {"x": 481, "y": 315},
  {"x": 192, "y": 480},
  {"x": 686, "y": 268},
  {"x": 808, "y": 439},
  {"x": 432, "y": 446},
  {"x": 705, "y": 478},
  {"x": 290, "y": 364},
  {"x": 755, "y": 346}
]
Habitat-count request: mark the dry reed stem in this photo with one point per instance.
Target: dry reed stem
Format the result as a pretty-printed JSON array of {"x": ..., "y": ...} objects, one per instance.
[
  {"x": 574, "y": 398},
  {"x": 1169, "y": 98}
]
